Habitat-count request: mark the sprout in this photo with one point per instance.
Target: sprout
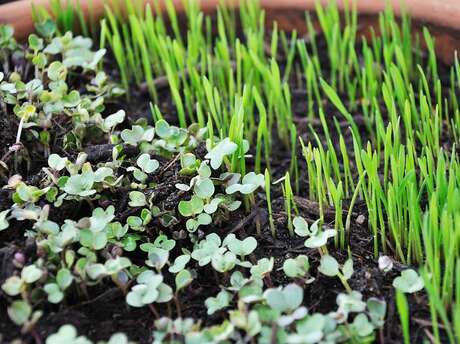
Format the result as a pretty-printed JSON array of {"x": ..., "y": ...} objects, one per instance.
[
  {"x": 286, "y": 299},
  {"x": 223, "y": 148},
  {"x": 158, "y": 257},
  {"x": 408, "y": 282},
  {"x": 204, "y": 251},
  {"x": 249, "y": 322},
  {"x": 223, "y": 261},
  {"x": 377, "y": 311},
  {"x": 137, "y": 199},
  {"x": 263, "y": 267},
  {"x": 150, "y": 288},
  {"x": 183, "y": 279},
  {"x": 296, "y": 267},
  {"x": 312, "y": 329},
  {"x": 192, "y": 207},
  {"x": 111, "y": 121},
  {"x": 67, "y": 334},
  {"x": 316, "y": 238},
  {"x": 31, "y": 274},
  {"x": 55, "y": 293},
  {"x": 179, "y": 263},
  {"x": 137, "y": 134},
  {"x": 221, "y": 301},
  {"x": 19, "y": 312},
  {"x": 250, "y": 183},
  {"x": 204, "y": 188},
  {"x": 146, "y": 164},
  {"x": 101, "y": 218},
  {"x": 202, "y": 219},
  {"x": 212, "y": 206},
  {"x": 4, "y": 224},
  {"x": 349, "y": 303},
  {"x": 56, "y": 162},
  {"x": 241, "y": 248},
  {"x": 362, "y": 326},
  {"x": 110, "y": 268},
  {"x": 80, "y": 185},
  {"x": 330, "y": 267}
]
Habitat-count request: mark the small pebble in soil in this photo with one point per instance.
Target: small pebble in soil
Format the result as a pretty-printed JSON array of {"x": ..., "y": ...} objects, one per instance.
[
  {"x": 360, "y": 219},
  {"x": 19, "y": 260}
]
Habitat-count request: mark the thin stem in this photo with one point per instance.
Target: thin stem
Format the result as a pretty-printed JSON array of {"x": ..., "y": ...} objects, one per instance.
[
  {"x": 178, "y": 306},
  {"x": 154, "y": 311}
]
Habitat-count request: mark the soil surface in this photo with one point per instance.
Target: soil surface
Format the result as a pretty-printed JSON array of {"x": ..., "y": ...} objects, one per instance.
[{"x": 104, "y": 311}]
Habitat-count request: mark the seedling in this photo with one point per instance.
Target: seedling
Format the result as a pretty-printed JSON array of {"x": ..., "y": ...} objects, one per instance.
[
  {"x": 393, "y": 169},
  {"x": 330, "y": 267},
  {"x": 408, "y": 282},
  {"x": 149, "y": 289},
  {"x": 297, "y": 267},
  {"x": 221, "y": 301}
]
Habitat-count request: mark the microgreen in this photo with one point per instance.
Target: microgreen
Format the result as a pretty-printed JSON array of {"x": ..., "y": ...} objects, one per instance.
[
  {"x": 149, "y": 288},
  {"x": 285, "y": 299},
  {"x": 392, "y": 170},
  {"x": 296, "y": 267},
  {"x": 408, "y": 282}
]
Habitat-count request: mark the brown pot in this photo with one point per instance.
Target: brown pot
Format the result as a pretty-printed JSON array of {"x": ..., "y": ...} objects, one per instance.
[{"x": 442, "y": 15}]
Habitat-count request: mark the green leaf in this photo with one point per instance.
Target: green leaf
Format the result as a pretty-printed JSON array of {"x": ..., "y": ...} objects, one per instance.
[
  {"x": 35, "y": 42},
  {"x": 183, "y": 279},
  {"x": 192, "y": 207},
  {"x": 223, "y": 262},
  {"x": 112, "y": 120},
  {"x": 31, "y": 274},
  {"x": 67, "y": 334},
  {"x": 101, "y": 218},
  {"x": 163, "y": 129},
  {"x": 263, "y": 267},
  {"x": 250, "y": 183},
  {"x": 146, "y": 164},
  {"x": 19, "y": 312},
  {"x": 222, "y": 149},
  {"x": 297, "y": 267},
  {"x": 64, "y": 278},
  {"x": 221, "y": 301},
  {"x": 362, "y": 326},
  {"x": 179, "y": 263},
  {"x": 320, "y": 239},
  {"x": 80, "y": 185},
  {"x": 377, "y": 311},
  {"x": 242, "y": 247},
  {"x": 285, "y": 299},
  {"x": 56, "y": 71},
  {"x": 408, "y": 282},
  {"x": 47, "y": 28},
  {"x": 212, "y": 206},
  {"x": 137, "y": 199},
  {"x": 55, "y": 294},
  {"x": 348, "y": 269},
  {"x": 300, "y": 226},
  {"x": 329, "y": 266},
  {"x": 56, "y": 162},
  {"x": 12, "y": 286},
  {"x": 204, "y": 188},
  {"x": 4, "y": 224},
  {"x": 137, "y": 134}
]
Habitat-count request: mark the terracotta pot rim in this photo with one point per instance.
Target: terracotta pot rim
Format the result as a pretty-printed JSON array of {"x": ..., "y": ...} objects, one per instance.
[{"x": 441, "y": 13}]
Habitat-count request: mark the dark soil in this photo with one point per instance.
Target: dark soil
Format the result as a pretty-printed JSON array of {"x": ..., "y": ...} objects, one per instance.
[{"x": 105, "y": 311}]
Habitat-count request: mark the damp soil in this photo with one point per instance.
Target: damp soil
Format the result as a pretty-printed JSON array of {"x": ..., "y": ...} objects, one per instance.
[{"x": 103, "y": 310}]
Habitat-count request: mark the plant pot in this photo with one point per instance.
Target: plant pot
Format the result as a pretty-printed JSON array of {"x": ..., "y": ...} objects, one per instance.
[{"x": 441, "y": 15}]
